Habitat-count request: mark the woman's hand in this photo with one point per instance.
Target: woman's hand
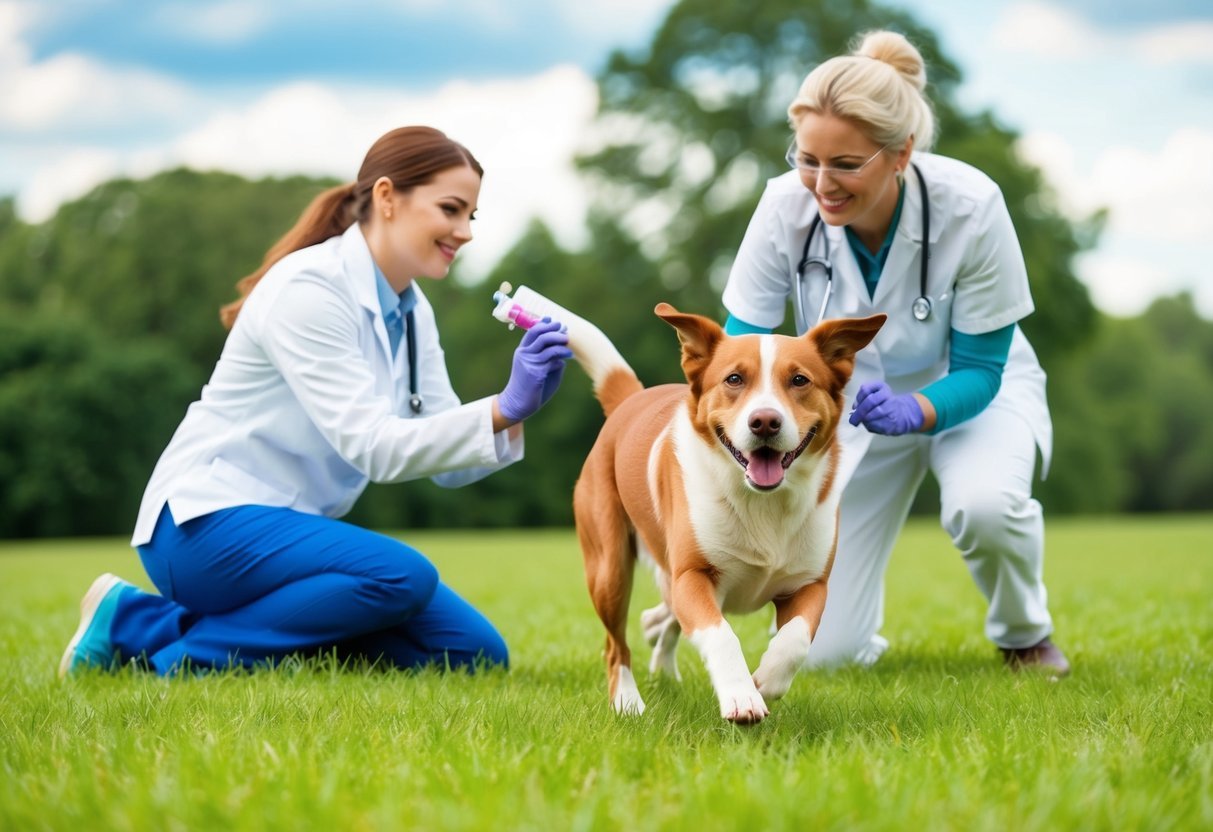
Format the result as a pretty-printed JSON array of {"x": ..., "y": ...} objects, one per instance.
[
  {"x": 536, "y": 372},
  {"x": 881, "y": 411}
]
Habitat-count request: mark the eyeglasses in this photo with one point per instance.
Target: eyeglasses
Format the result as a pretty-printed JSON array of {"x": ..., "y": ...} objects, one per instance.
[{"x": 797, "y": 163}]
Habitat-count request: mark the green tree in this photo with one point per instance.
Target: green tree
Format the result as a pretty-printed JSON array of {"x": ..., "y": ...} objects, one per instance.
[
  {"x": 1137, "y": 432},
  {"x": 108, "y": 329},
  {"x": 82, "y": 419},
  {"x": 155, "y": 256}
]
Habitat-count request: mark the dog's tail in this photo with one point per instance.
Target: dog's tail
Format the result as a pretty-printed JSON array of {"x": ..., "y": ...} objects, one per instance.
[{"x": 613, "y": 379}]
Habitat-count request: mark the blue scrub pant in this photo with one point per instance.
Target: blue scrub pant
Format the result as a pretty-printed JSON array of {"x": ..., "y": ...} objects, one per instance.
[{"x": 252, "y": 584}]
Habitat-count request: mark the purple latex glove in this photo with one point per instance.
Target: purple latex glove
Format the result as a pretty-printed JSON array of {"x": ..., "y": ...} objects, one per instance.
[
  {"x": 536, "y": 372},
  {"x": 880, "y": 410},
  {"x": 552, "y": 381}
]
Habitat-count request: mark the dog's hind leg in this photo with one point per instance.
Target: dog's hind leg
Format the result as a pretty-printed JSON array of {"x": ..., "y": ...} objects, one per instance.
[
  {"x": 610, "y": 563},
  {"x": 661, "y": 629},
  {"x": 660, "y": 625}
]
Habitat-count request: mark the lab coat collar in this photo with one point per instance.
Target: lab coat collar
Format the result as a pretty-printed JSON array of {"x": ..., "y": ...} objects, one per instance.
[
  {"x": 360, "y": 267},
  {"x": 356, "y": 257},
  {"x": 911, "y": 211}
]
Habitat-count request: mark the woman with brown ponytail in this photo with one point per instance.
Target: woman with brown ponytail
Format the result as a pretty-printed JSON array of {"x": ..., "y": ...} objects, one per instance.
[{"x": 332, "y": 377}]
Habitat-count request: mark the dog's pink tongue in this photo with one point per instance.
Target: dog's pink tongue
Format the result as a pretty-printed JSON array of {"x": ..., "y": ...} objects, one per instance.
[{"x": 764, "y": 469}]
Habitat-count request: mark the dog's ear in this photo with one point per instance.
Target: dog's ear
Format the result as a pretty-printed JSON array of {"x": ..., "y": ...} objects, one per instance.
[
  {"x": 840, "y": 338},
  {"x": 698, "y": 336}
]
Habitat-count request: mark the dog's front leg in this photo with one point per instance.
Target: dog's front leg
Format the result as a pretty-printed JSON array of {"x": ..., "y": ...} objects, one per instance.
[
  {"x": 797, "y": 616},
  {"x": 695, "y": 605}
]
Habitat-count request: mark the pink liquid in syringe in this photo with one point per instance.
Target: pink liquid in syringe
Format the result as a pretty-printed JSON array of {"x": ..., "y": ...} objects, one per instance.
[{"x": 523, "y": 318}]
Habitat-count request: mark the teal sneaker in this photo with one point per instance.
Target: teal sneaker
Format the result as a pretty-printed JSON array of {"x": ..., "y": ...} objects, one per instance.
[{"x": 91, "y": 645}]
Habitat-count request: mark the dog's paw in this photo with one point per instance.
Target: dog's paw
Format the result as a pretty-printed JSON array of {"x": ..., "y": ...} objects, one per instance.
[
  {"x": 784, "y": 657},
  {"x": 655, "y": 621},
  {"x": 744, "y": 707},
  {"x": 628, "y": 705},
  {"x": 626, "y": 700},
  {"x": 665, "y": 647},
  {"x": 773, "y": 685},
  {"x": 664, "y": 661}
]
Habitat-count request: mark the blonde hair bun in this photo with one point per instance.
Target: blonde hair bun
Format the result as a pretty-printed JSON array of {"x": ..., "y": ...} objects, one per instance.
[
  {"x": 880, "y": 86},
  {"x": 893, "y": 49}
]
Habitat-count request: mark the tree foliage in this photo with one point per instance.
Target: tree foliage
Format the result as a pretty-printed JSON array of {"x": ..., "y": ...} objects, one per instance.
[
  {"x": 1131, "y": 415},
  {"x": 156, "y": 257},
  {"x": 82, "y": 414}
]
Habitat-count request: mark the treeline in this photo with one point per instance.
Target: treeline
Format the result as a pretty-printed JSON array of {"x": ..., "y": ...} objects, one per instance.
[
  {"x": 109, "y": 328},
  {"x": 109, "y": 325}
]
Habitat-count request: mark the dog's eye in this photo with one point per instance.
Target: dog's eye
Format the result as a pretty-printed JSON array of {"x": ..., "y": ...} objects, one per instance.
[
  {"x": 800, "y": 380},
  {"x": 734, "y": 380}
]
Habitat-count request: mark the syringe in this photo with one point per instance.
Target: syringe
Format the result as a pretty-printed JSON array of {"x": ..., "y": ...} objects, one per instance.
[
  {"x": 508, "y": 311},
  {"x": 592, "y": 349}
]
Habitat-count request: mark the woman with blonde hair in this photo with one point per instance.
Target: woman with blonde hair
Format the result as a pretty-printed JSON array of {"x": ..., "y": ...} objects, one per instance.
[
  {"x": 870, "y": 221},
  {"x": 332, "y": 377}
]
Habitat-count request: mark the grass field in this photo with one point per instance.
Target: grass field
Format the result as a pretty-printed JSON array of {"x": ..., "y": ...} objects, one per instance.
[{"x": 936, "y": 736}]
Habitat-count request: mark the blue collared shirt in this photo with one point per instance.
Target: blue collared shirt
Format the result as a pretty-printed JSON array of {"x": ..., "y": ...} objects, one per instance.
[{"x": 394, "y": 306}]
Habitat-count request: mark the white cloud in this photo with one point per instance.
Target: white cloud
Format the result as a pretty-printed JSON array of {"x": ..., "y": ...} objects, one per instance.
[
  {"x": 1160, "y": 212},
  {"x": 225, "y": 22},
  {"x": 1124, "y": 286},
  {"x": 1042, "y": 28},
  {"x": 74, "y": 171},
  {"x": 76, "y": 93},
  {"x": 14, "y": 19},
  {"x": 620, "y": 21},
  {"x": 1165, "y": 195},
  {"x": 1177, "y": 43},
  {"x": 298, "y": 128},
  {"x": 524, "y": 131},
  {"x": 71, "y": 92}
]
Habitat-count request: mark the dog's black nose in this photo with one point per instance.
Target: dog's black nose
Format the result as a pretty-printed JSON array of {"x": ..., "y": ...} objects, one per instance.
[{"x": 765, "y": 423}]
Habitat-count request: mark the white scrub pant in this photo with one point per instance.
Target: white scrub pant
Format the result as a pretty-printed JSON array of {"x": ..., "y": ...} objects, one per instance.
[{"x": 984, "y": 467}]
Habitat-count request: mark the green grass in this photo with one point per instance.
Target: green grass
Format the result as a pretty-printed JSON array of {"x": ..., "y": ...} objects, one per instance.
[{"x": 937, "y": 736}]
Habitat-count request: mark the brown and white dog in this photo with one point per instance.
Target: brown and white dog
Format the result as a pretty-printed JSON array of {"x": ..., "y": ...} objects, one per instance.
[{"x": 727, "y": 485}]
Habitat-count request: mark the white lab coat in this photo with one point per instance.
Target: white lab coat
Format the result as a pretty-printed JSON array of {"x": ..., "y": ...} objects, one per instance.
[
  {"x": 978, "y": 283},
  {"x": 307, "y": 404}
]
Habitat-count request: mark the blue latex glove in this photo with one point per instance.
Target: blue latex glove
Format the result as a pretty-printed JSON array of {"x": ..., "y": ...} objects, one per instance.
[
  {"x": 879, "y": 410},
  {"x": 536, "y": 372}
]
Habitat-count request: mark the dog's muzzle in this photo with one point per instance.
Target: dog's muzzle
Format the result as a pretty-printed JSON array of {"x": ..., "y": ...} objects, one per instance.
[{"x": 765, "y": 466}]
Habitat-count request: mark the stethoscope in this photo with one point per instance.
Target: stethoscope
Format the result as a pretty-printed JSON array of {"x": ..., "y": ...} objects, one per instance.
[
  {"x": 410, "y": 338},
  {"x": 920, "y": 308}
]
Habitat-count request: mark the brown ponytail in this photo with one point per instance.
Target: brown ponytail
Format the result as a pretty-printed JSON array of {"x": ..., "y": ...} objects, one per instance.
[
  {"x": 409, "y": 156},
  {"x": 326, "y": 216}
]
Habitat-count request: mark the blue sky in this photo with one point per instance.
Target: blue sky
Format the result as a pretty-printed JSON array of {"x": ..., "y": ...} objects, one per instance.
[{"x": 1113, "y": 99}]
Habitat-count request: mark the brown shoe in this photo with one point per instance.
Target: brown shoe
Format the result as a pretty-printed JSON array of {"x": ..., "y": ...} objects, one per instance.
[{"x": 1043, "y": 656}]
